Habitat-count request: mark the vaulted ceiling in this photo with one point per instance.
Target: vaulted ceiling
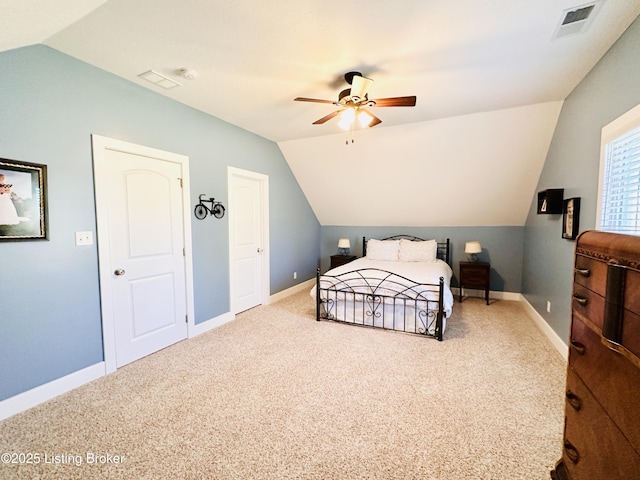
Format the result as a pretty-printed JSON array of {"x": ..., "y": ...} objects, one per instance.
[{"x": 498, "y": 67}]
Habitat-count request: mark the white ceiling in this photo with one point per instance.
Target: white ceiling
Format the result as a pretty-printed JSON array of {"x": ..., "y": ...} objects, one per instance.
[
  {"x": 463, "y": 59},
  {"x": 253, "y": 57},
  {"x": 479, "y": 169},
  {"x": 26, "y": 22}
]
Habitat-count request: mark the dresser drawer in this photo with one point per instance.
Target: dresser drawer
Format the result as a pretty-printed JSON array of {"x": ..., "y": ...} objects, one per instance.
[
  {"x": 631, "y": 334},
  {"x": 474, "y": 274},
  {"x": 594, "y": 448},
  {"x": 612, "y": 379},
  {"x": 474, "y": 281},
  {"x": 588, "y": 305},
  {"x": 338, "y": 260},
  {"x": 632, "y": 291},
  {"x": 591, "y": 273}
]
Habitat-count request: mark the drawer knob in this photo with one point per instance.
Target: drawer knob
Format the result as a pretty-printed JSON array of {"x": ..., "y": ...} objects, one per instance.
[
  {"x": 577, "y": 347},
  {"x": 571, "y": 452},
  {"x": 573, "y": 400},
  {"x": 585, "y": 272},
  {"x": 580, "y": 300}
]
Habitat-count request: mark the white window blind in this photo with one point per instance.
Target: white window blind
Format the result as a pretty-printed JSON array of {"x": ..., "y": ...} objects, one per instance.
[{"x": 620, "y": 178}]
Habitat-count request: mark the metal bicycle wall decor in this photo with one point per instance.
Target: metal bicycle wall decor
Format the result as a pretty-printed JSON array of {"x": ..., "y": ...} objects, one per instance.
[{"x": 201, "y": 210}]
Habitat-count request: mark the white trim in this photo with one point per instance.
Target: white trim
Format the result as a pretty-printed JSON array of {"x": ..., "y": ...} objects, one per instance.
[
  {"x": 470, "y": 292},
  {"x": 624, "y": 123},
  {"x": 292, "y": 290},
  {"x": 532, "y": 313},
  {"x": 546, "y": 329},
  {"x": 29, "y": 399},
  {"x": 26, "y": 400},
  {"x": 264, "y": 201},
  {"x": 210, "y": 324},
  {"x": 100, "y": 145}
]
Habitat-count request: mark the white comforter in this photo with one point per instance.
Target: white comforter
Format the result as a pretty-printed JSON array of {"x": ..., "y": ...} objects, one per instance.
[{"x": 418, "y": 272}]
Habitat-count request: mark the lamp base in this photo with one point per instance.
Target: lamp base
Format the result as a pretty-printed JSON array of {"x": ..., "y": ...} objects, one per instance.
[
  {"x": 344, "y": 251},
  {"x": 472, "y": 257}
]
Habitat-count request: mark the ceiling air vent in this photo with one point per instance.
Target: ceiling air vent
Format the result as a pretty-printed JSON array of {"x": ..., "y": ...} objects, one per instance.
[
  {"x": 577, "y": 15},
  {"x": 159, "y": 79},
  {"x": 577, "y": 19}
]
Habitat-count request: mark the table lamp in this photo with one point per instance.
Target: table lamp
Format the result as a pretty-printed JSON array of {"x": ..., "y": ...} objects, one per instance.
[
  {"x": 472, "y": 249},
  {"x": 343, "y": 246}
]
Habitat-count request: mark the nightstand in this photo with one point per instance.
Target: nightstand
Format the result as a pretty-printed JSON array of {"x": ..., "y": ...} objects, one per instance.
[
  {"x": 475, "y": 275},
  {"x": 337, "y": 260}
]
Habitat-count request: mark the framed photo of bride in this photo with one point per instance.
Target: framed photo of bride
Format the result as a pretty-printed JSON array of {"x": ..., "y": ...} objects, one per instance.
[{"x": 23, "y": 201}]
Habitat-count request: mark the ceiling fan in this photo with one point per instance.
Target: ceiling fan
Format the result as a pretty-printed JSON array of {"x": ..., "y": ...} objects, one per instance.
[{"x": 352, "y": 102}]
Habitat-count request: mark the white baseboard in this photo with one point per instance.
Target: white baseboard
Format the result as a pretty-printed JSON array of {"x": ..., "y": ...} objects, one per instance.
[
  {"x": 533, "y": 314},
  {"x": 290, "y": 291},
  {"x": 470, "y": 292},
  {"x": 549, "y": 332},
  {"x": 210, "y": 324},
  {"x": 29, "y": 399},
  {"x": 228, "y": 317},
  {"x": 26, "y": 400},
  {"x": 220, "y": 320}
]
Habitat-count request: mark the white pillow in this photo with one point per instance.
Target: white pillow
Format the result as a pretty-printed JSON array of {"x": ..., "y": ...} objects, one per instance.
[
  {"x": 383, "y": 250},
  {"x": 418, "y": 251}
]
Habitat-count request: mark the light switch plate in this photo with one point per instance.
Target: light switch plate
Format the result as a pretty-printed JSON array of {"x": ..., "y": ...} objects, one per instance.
[{"x": 84, "y": 238}]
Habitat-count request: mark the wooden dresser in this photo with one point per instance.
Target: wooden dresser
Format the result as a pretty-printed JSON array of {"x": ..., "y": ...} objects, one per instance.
[{"x": 602, "y": 412}]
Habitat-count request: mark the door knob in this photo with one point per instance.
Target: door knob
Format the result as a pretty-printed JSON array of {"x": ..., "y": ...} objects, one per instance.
[
  {"x": 119, "y": 271},
  {"x": 259, "y": 250}
]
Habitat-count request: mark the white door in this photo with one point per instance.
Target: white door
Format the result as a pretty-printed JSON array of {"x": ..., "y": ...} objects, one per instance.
[
  {"x": 143, "y": 274},
  {"x": 248, "y": 239}
]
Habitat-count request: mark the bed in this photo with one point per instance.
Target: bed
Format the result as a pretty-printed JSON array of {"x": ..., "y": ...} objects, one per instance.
[{"x": 400, "y": 283}]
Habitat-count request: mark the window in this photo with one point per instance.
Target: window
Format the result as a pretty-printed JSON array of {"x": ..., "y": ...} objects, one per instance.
[{"x": 619, "y": 189}]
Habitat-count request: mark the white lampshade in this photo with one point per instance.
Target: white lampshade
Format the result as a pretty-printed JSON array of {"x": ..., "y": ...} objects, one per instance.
[
  {"x": 344, "y": 243},
  {"x": 472, "y": 247},
  {"x": 360, "y": 86},
  {"x": 364, "y": 119},
  {"x": 347, "y": 117}
]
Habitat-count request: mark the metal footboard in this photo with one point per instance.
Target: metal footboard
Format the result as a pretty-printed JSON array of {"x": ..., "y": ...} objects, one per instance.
[{"x": 381, "y": 299}]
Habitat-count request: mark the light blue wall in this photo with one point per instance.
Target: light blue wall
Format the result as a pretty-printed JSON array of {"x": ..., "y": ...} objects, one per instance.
[
  {"x": 609, "y": 90},
  {"x": 501, "y": 246},
  {"x": 50, "y": 104}
]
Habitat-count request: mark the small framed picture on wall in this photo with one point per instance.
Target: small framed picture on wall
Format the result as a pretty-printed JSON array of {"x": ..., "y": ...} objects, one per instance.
[
  {"x": 23, "y": 201},
  {"x": 571, "y": 218}
]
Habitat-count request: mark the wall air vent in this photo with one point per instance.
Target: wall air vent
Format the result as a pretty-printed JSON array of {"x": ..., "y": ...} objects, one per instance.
[{"x": 577, "y": 19}]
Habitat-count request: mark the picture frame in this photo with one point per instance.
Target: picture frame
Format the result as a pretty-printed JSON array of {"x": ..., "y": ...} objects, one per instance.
[
  {"x": 571, "y": 218},
  {"x": 23, "y": 201}
]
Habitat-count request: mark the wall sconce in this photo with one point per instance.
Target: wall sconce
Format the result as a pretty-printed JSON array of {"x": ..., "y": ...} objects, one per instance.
[
  {"x": 344, "y": 246},
  {"x": 472, "y": 249}
]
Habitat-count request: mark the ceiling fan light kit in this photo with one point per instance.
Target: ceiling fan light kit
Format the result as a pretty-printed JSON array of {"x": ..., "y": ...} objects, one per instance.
[
  {"x": 353, "y": 100},
  {"x": 347, "y": 117}
]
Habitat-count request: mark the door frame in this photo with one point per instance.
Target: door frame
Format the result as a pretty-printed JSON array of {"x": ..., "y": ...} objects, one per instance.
[
  {"x": 233, "y": 172},
  {"x": 100, "y": 145}
]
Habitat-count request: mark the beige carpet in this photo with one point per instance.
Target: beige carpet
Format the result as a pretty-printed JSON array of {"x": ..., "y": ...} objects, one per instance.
[{"x": 276, "y": 395}]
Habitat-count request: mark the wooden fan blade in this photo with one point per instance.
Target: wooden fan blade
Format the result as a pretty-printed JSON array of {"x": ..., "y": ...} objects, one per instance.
[
  {"x": 326, "y": 118},
  {"x": 315, "y": 100},
  {"x": 375, "y": 120},
  {"x": 396, "y": 102}
]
